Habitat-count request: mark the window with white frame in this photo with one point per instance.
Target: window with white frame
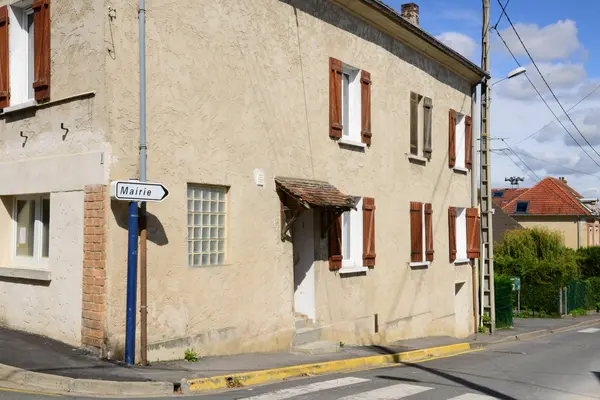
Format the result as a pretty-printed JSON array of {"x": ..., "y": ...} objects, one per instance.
[
  {"x": 351, "y": 103},
  {"x": 207, "y": 211},
  {"x": 31, "y": 218},
  {"x": 352, "y": 238},
  {"x": 461, "y": 234},
  {"x": 460, "y": 141},
  {"x": 21, "y": 52}
]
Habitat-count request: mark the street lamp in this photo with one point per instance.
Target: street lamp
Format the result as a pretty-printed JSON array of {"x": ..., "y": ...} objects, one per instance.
[{"x": 515, "y": 72}]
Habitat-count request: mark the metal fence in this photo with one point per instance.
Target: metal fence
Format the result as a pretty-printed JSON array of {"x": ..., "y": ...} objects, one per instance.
[{"x": 504, "y": 298}]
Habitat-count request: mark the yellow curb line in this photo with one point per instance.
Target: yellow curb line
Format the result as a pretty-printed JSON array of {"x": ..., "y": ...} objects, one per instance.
[
  {"x": 5, "y": 389},
  {"x": 361, "y": 363}
]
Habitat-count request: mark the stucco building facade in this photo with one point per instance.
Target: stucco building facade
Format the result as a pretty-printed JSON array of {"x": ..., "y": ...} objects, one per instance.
[{"x": 317, "y": 155}]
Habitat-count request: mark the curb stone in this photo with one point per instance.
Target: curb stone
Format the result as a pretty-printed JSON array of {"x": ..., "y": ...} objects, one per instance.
[
  {"x": 536, "y": 334},
  {"x": 351, "y": 364},
  {"x": 61, "y": 384}
]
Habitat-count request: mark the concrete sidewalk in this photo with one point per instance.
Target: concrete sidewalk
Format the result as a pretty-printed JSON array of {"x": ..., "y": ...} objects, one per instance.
[{"x": 42, "y": 355}]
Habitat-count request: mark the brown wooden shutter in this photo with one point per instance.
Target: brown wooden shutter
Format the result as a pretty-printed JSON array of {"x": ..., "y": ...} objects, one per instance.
[
  {"x": 452, "y": 139},
  {"x": 428, "y": 232},
  {"x": 368, "y": 232},
  {"x": 427, "y": 116},
  {"x": 335, "y": 98},
  {"x": 452, "y": 233},
  {"x": 41, "y": 49},
  {"x": 335, "y": 244},
  {"x": 4, "y": 83},
  {"x": 414, "y": 123},
  {"x": 365, "y": 107},
  {"x": 473, "y": 247},
  {"x": 416, "y": 232},
  {"x": 468, "y": 144}
]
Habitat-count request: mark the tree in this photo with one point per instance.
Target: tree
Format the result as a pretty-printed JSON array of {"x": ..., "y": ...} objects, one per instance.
[
  {"x": 589, "y": 261},
  {"x": 538, "y": 256}
]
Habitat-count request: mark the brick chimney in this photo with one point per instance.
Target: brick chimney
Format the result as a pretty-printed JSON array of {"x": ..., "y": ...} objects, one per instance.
[
  {"x": 562, "y": 178},
  {"x": 410, "y": 12}
]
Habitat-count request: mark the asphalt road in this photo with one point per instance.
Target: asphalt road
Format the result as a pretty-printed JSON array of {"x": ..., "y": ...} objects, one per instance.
[{"x": 555, "y": 367}]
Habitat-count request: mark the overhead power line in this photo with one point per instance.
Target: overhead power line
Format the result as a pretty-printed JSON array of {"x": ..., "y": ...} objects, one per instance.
[
  {"x": 544, "y": 79},
  {"x": 556, "y": 165},
  {"x": 545, "y": 102},
  {"x": 520, "y": 159},
  {"x": 501, "y": 14},
  {"x": 550, "y": 123},
  {"x": 502, "y": 152}
]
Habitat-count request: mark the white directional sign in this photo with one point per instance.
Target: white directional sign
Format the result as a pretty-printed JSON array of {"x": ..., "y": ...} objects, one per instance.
[{"x": 138, "y": 191}]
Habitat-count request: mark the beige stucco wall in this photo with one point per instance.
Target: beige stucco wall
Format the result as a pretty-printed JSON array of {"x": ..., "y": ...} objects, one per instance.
[
  {"x": 49, "y": 308},
  {"x": 566, "y": 225},
  {"x": 50, "y": 160},
  {"x": 226, "y": 95}
]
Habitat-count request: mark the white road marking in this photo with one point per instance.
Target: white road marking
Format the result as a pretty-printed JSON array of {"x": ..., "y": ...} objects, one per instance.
[
  {"x": 589, "y": 330},
  {"x": 389, "y": 393},
  {"x": 472, "y": 396},
  {"x": 313, "y": 387}
]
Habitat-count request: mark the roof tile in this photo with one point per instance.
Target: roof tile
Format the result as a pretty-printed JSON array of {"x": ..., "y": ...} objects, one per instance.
[{"x": 315, "y": 193}]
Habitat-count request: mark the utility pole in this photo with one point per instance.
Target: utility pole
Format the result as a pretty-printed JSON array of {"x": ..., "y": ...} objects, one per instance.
[
  {"x": 486, "y": 259},
  {"x": 143, "y": 219}
]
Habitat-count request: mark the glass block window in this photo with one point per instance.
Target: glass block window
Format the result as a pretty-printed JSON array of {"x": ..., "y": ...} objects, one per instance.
[{"x": 206, "y": 225}]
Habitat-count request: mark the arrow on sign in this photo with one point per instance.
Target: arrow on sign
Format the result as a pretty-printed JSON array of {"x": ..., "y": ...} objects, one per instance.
[{"x": 138, "y": 191}]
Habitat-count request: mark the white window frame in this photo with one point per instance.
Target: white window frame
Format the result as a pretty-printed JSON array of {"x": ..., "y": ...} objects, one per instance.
[
  {"x": 192, "y": 225},
  {"x": 354, "y": 263},
  {"x": 21, "y": 89},
  {"x": 351, "y": 106},
  {"x": 37, "y": 259},
  {"x": 423, "y": 242},
  {"x": 461, "y": 236},
  {"x": 459, "y": 142}
]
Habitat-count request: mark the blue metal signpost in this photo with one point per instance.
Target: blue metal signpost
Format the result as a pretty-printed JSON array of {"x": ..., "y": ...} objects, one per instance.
[{"x": 132, "y": 250}]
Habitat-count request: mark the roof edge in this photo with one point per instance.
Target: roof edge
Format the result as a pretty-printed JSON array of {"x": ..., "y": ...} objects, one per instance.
[{"x": 473, "y": 73}]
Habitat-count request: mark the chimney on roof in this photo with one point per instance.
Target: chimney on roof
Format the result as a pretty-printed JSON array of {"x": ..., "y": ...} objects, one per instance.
[
  {"x": 410, "y": 12},
  {"x": 562, "y": 178}
]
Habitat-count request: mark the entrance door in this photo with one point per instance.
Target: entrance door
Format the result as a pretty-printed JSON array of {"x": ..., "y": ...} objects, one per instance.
[{"x": 303, "y": 242}]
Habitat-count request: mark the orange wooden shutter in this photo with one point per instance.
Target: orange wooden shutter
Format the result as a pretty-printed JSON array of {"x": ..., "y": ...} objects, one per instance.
[
  {"x": 368, "y": 232},
  {"x": 335, "y": 245},
  {"x": 428, "y": 232},
  {"x": 41, "y": 49},
  {"x": 452, "y": 139},
  {"x": 416, "y": 232},
  {"x": 365, "y": 107},
  {"x": 473, "y": 247},
  {"x": 468, "y": 148},
  {"x": 335, "y": 98},
  {"x": 4, "y": 85},
  {"x": 452, "y": 233}
]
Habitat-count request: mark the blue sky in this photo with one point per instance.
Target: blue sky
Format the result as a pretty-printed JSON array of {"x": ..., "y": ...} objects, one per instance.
[{"x": 561, "y": 36}]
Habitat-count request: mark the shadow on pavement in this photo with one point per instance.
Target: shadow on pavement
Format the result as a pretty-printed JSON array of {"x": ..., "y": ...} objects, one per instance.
[{"x": 463, "y": 382}]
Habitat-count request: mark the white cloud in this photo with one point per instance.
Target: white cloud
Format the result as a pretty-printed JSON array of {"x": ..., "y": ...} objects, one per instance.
[
  {"x": 560, "y": 76},
  {"x": 551, "y": 42},
  {"x": 460, "y": 42}
]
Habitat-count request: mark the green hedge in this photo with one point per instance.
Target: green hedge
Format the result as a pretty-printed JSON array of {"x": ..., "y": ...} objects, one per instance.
[{"x": 504, "y": 301}]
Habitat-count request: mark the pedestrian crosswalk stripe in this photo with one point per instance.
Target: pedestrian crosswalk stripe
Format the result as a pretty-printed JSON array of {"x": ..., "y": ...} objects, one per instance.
[
  {"x": 305, "y": 389},
  {"x": 472, "y": 396},
  {"x": 589, "y": 330},
  {"x": 389, "y": 393}
]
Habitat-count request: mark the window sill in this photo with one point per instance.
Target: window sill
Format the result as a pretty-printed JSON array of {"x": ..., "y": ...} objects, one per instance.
[
  {"x": 349, "y": 142},
  {"x": 419, "y": 264},
  {"x": 462, "y": 261},
  {"x": 352, "y": 270},
  {"x": 32, "y": 274},
  {"x": 416, "y": 159},
  {"x": 461, "y": 170},
  {"x": 32, "y": 104},
  {"x": 19, "y": 107}
]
